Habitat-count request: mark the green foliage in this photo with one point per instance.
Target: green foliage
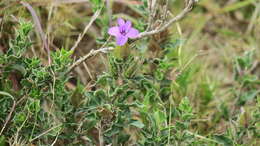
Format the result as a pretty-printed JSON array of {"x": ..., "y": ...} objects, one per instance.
[
  {"x": 2, "y": 141},
  {"x": 96, "y": 4},
  {"x": 248, "y": 82},
  {"x": 161, "y": 91},
  {"x": 20, "y": 44},
  {"x": 41, "y": 89}
]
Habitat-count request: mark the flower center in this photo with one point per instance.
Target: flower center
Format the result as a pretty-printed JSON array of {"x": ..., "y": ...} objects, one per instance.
[{"x": 123, "y": 32}]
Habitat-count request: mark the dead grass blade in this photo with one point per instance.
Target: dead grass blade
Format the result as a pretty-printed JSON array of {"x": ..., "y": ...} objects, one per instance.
[{"x": 38, "y": 28}]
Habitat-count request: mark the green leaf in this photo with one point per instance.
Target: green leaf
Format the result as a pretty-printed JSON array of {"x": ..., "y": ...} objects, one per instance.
[
  {"x": 245, "y": 62},
  {"x": 2, "y": 141},
  {"x": 160, "y": 117},
  {"x": 205, "y": 92},
  {"x": 247, "y": 96},
  {"x": 21, "y": 42},
  {"x": 237, "y": 5},
  {"x": 223, "y": 140},
  {"x": 159, "y": 74},
  {"x": 185, "y": 105},
  {"x": 122, "y": 138},
  {"x": 96, "y": 4},
  {"x": 19, "y": 68},
  {"x": 100, "y": 93},
  {"x": 104, "y": 79},
  {"x": 183, "y": 79},
  {"x": 137, "y": 124}
]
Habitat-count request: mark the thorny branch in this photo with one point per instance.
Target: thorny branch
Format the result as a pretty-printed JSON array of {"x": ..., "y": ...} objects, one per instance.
[{"x": 152, "y": 8}]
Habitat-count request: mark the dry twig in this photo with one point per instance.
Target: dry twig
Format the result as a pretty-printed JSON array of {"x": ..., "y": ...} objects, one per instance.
[
  {"x": 45, "y": 132},
  {"x": 94, "y": 17},
  {"x": 11, "y": 111},
  {"x": 181, "y": 15},
  {"x": 90, "y": 54}
]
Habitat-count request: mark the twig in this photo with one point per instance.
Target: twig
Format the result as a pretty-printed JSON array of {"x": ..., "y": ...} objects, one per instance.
[
  {"x": 109, "y": 11},
  {"x": 149, "y": 5},
  {"x": 16, "y": 138},
  {"x": 69, "y": 1},
  {"x": 201, "y": 137},
  {"x": 38, "y": 28},
  {"x": 100, "y": 135},
  {"x": 253, "y": 18},
  {"x": 45, "y": 132},
  {"x": 153, "y": 7},
  {"x": 165, "y": 10},
  {"x": 8, "y": 117},
  {"x": 55, "y": 140},
  {"x": 129, "y": 2},
  {"x": 88, "y": 71},
  {"x": 181, "y": 15},
  {"x": 11, "y": 111},
  {"x": 151, "y": 10},
  {"x": 254, "y": 66},
  {"x": 20, "y": 100},
  {"x": 94, "y": 17},
  {"x": 102, "y": 49},
  {"x": 90, "y": 54}
]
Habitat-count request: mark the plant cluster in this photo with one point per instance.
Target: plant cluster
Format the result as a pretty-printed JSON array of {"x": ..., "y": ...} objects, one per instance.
[{"x": 150, "y": 93}]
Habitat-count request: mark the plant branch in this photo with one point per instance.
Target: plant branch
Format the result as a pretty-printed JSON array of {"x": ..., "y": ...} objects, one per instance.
[
  {"x": 11, "y": 111},
  {"x": 201, "y": 137},
  {"x": 45, "y": 132},
  {"x": 80, "y": 37},
  {"x": 181, "y": 15},
  {"x": 152, "y": 6},
  {"x": 90, "y": 54}
]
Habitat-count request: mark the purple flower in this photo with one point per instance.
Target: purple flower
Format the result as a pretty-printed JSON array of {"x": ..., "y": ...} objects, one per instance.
[{"x": 123, "y": 31}]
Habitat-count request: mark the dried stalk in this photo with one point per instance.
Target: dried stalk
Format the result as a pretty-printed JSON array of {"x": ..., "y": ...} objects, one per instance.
[
  {"x": 38, "y": 28},
  {"x": 181, "y": 15},
  {"x": 45, "y": 132},
  {"x": 90, "y": 54},
  {"x": 11, "y": 111},
  {"x": 80, "y": 37}
]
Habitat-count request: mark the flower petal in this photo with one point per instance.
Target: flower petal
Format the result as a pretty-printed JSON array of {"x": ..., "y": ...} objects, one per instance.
[
  {"x": 120, "y": 21},
  {"x": 121, "y": 40},
  {"x": 114, "y": 31},
  {"x": 132, "y": 33},
  {"x": 128, "y": 26}
]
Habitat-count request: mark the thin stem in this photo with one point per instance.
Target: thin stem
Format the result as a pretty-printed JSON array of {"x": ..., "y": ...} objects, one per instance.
[
  {"x": 201, "y": 137},
  {"x": 11, "y": 111},
  {"x": 80, "y": 37},
  {"x": 45, "y": 132},
  {"x": 38, "y": 28},
  {"x": 90, "y": 54},
  {"x": 169, "y": 23}
]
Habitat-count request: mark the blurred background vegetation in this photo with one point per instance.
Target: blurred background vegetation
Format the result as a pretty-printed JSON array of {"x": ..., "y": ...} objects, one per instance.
[{"x": 216, "y": 45}]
